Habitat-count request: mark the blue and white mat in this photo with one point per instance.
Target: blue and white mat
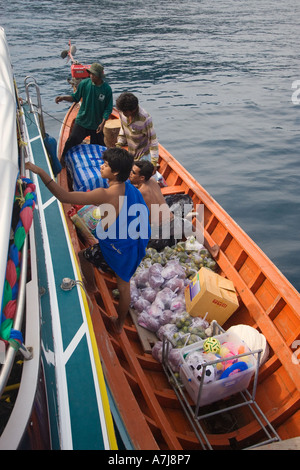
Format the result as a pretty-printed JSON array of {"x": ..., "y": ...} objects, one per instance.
[{"x": 83, "y": 163}]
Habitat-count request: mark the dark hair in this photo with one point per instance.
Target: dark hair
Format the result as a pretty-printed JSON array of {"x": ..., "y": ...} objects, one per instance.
[
  {"x": 127, "y": 102},
  {"x": 146, "y": 168},
  {"x": 119, "y": 161}
]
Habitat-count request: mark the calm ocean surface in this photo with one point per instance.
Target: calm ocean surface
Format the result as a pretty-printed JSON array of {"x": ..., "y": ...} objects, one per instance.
[{"x": 217, "y": 78}]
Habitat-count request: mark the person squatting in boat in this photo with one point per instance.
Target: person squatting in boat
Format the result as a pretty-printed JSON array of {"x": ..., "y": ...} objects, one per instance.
[
  {"x": 96, "y": 106},
  {"x": 167, "y": 228},
  {"x": 123, "y": 231},
  {"x": 137, "y": 130}
]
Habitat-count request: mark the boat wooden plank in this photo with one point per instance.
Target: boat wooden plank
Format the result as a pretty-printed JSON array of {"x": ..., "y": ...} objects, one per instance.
[
  {"x": 169, "y": 190},
  {"x": 135, "y": 422},
  {"x": 150, "y": 397},
  {"x": 265, "y": 324}
]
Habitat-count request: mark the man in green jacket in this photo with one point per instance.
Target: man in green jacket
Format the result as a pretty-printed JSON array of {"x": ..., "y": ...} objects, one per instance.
[{"x": 96, "y": 106}]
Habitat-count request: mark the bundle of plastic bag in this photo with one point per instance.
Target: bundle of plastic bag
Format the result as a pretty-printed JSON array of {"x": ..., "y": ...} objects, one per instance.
[
  {"x": 142, "y": 278},
  {"x": 154, "y": 275},
  {"x": 168, "y": 331},
  {"x": 178, "y": 303},
  {"x": 165, "y": 297},
  {"x": 171, "y": 269},
  {"x": 134, "y": 292},
  {"x": 141, "y": 304},
  {"x": 147, "y": 321},
  {"x": 175, "y": 283},
  {"x": 174, "y": 357}
]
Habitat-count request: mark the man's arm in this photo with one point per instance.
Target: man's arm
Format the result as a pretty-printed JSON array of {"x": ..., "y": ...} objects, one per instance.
[
  {"x": 122, "y": 140},
  {"x": 107, "y": 111},
  {"x": 152, "y": 138},
  {"x": 68, "y": 98},
  {"x": 94, "y": 197}
]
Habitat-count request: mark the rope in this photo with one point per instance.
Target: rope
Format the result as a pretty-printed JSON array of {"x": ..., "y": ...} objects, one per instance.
[{"x": 25, "y": 199}]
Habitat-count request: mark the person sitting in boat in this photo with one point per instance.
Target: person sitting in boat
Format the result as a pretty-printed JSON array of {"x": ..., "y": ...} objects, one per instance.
[
  {"x": 166, "y": 229},
  {"x": 96, "y": 106},
  {"x": 123, "y": 232},
  {"x": 141, "y": 177},
  {"x": 137, "y": 130}
]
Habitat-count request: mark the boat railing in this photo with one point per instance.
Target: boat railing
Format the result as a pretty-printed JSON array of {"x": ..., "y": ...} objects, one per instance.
[{"x": 31, "y": 82}]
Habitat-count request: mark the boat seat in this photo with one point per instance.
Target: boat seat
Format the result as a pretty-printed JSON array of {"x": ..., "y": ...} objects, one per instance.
[{"x": 168, "y": 190}]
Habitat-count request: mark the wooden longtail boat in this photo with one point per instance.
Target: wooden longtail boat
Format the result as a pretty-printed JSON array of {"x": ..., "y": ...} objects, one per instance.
[{"x": 140, "y": 388}]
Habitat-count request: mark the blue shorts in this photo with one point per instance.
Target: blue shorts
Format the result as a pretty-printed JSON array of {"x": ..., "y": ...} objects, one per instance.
[{"x": 95, "y": 256}]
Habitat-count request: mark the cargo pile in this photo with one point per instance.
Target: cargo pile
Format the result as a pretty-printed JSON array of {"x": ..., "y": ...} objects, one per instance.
[{"x": 158, "y": 289}]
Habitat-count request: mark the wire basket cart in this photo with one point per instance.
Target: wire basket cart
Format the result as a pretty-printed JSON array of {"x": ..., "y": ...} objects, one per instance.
[{"x": 194, "y": 409}]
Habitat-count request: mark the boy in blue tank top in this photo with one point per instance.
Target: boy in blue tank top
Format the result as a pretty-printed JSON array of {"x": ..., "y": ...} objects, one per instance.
[{"x": 123, "y": 231}]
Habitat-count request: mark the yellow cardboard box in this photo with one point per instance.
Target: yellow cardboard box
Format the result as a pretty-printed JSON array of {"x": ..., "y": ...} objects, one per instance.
[{"x": 212, "y": 294}]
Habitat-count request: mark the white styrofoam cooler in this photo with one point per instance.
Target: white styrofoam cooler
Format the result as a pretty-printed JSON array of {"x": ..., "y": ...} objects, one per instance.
[{"x": 221, "y": 388}]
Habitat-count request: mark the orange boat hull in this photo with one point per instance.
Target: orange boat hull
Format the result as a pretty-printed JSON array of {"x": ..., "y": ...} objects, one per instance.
[{"x": 140, "y": 388}]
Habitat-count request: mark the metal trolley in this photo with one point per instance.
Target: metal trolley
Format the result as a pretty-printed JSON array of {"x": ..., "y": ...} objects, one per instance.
[{"x": 194, "y": 412}]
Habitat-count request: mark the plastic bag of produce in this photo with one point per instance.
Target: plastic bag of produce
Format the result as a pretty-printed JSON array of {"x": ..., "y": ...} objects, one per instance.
[
  {"x": 156, "y": 281},
  {"x": 175, "y": 359},
  {"x": 192, "y": 244},
  {"x": 134, "y": 292},
  {"x": 172, "y": 269},
  {"x": 155, "y": 269},
  {"x": 157, "y": 351},
  {"x": 155, "y": 277},
  {"x": 141, "y": 304},
  {"x": 149, "y": 294},
  {"x": 167, "y": 330},
  {"x": 166, "y": 317},
  {"x": 178, "y": 304},
  {"x": 199, "y": 322},
  {"x": 148, "y": 321},
  {"x": 176, "y": 284},
  {"x": 141, "y": 278},
  {"x": 155, "y": 310}
]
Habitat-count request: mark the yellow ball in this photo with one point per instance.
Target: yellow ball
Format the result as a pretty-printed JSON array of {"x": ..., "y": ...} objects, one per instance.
[{"x": 212, "y": 345}]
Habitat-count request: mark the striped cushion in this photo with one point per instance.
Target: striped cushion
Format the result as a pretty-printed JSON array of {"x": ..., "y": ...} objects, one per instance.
[{"x": 83, "y": 163}]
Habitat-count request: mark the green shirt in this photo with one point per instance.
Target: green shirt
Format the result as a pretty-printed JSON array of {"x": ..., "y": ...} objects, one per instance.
[{"x": 96, "y": 105}]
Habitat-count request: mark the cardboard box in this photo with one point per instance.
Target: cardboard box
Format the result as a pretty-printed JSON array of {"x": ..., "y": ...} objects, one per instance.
[{"x": 211, "y": 294}]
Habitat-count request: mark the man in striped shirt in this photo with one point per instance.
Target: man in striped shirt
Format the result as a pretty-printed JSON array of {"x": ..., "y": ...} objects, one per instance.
[{"x": 137, "y": 131}]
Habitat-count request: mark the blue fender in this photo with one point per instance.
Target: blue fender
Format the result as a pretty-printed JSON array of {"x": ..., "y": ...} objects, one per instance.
[{"x": 51, "y": 146}]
